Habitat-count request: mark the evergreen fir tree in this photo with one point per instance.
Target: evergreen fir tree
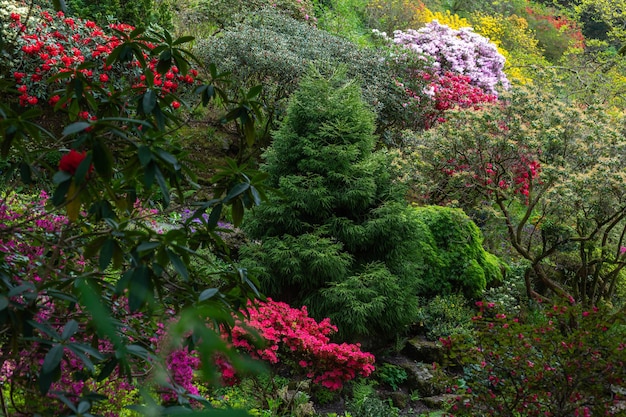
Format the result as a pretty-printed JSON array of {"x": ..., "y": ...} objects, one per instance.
[{"x": 340, "y": 238}]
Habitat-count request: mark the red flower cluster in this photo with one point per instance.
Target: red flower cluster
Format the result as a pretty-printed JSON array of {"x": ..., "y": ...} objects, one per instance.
[
  {"x": 71, "y": 160},
  {"x": 291, "y": 333},
  {"x": 57, "y": 44},
  {"x": 562, "y": 24}
]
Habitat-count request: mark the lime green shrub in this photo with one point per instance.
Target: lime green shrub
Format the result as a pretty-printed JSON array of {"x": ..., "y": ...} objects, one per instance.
[{"x": 463, "y": 265}]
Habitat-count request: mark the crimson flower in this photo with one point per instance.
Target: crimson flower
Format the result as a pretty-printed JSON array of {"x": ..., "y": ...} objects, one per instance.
[{"x": 70, "y": 161}]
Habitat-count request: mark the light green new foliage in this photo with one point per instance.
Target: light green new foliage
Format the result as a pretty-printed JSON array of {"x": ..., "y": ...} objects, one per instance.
[
  {"x": 340, "y": 239},
  {"x": 463, "y": 264}
]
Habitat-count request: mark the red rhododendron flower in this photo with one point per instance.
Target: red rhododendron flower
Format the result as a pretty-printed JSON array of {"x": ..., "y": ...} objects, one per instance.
[{"x": 70, "y": 161}]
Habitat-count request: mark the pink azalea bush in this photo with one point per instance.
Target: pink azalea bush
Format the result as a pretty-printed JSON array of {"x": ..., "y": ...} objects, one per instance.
[
  {"x": 461, "y": 52},
  {"x": 289, "y": 334}
]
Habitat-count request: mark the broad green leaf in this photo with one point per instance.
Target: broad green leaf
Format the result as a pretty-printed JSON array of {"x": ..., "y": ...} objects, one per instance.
[
  {"x": 71, "y": 327},
  {"x": 106, "y": 253},
  {"x": 178, "y": 265},
  {"x": 208, "y": 293},
  {"x": 75, "y": 128},
  {"x": 52, "y": 359}
]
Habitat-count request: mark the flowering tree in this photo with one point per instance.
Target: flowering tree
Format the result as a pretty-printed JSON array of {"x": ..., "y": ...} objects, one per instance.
[
  {"x": 458, "y": 51},
  {"x": 86, "y": 280},
  {"x": 553, "y": 173}
]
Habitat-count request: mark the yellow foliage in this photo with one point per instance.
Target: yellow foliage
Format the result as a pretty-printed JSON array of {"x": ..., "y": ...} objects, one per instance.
[
  {"x": 453, "y": 21},
  {"x": 390, "y": 15},
  {"x": 515, "y": 41}
]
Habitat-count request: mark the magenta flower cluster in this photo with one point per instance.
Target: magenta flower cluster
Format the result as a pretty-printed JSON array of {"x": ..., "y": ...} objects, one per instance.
[
  {"x": 460, "y": 51},
  {"x": 290, "y": 333}
]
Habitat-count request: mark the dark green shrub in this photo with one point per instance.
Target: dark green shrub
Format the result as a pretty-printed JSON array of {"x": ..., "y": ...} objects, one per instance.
[
  {"x": 138, "y": 13},
  {"x": 340, "y": 239}
]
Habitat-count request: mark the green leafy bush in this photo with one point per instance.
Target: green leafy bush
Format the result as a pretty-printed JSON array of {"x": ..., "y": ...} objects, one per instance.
[
  {"x": 340, "y": 239},
  {"x": 445, "y": 316},
  {"x": 276, "y": 50},
  {"x": 462, "y": 262},
  {"x": 565, "y": 360}
]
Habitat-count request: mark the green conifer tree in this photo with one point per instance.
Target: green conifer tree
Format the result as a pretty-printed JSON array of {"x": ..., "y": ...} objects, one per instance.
[{"x": 340, "y": 238}]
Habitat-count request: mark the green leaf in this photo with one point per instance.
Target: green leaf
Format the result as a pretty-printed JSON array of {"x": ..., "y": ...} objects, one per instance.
[
  {"x": 53, "y": 359},
  {"x": 106, "y": 254},
  {"x": 178, "y": 265},
  {"x": 83, "y": 407},
  {"x": 208, "y": 293},
  {"x": 254, "y": 91},
  {"x": 237, "y": 212},
  {"x": 145, "y": 155},
  {"x": 167, "y": 157},
  {"x": 25, "y": 173},
  {"x": 107, "y": 369},
  {"x": 236, "y": 191},
  {"x": 102, "y": 160},
  {"x": 58, "y": 198},
  {"x": 215, "y": 215},
  {"x": 147, "y": 246},
  {"x": 4, "y": 302},
  {"x": 163, "y": 185},
  {"x": 61, "y": 176},
  {"x": 75, "y": 128},
  {"x": 71, "y": 327},
  {"x": 183, "y": 39},
  {"x": 148, "y": 101}
]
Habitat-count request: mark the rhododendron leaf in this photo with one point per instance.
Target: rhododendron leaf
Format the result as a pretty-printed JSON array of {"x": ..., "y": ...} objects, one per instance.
[
  {"x": 61, "y": 191},
  {"x": 71, "y": 327},
  {"x": 73, "y": 202},
  {"x": 148, "y": 101},
  {"x": 106, "y": 253},
  {"x": 102, "y": 159},
  {"x": 52, "y": 359},
  {"x": 59, "y": 5},
  {"x": 42, "y": 327},
  {"x": 183, "y": 39},
  {"x": 75, "y": 128},
  {"x": 145, "y": 155},
  {"x": 249, "y": 132},
  {"x": 4, "y": 302},
  {"x": 83, "y": 407},
  {"x": 167, "y": 157},
  {"x": 140, "y": 289},
  {"x": 165, "y": 61},
  {"x": 215, "y": 216},
  {"x": 106, "y": 370},
  {"x": 147, "y": 246},
  {"x": 83, "y": 168},
  {"x": 61, "y": 176},
  {"x": 236, "y": 191},
  {"x": 149, "y": 174},
  {"x": 165, "y": 193},
  {"x": 207, "y": 294},
  {"x": 178, "y": 265},
  {"x": 159, "y": 117},
  {"x": 237, "y": 211},
  {"x": 26, "y": 173}
]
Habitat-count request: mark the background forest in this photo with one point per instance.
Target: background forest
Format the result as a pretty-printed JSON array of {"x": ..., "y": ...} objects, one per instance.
[{"x": 328, "y": 208}]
